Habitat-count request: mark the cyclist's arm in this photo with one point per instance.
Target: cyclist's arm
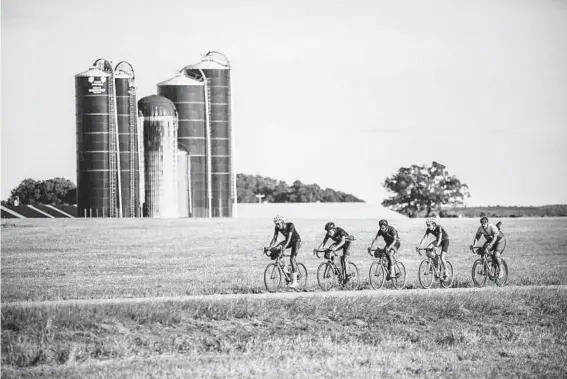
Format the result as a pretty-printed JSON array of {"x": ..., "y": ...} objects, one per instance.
[
  {"x": 494, "y": 233},
  {"x": 274, "y": 239},
  {"x": 439, "y": 239},
  {"x": 373, "y": 242},
  {"x": 394, "y": 241},
  {"x": 423, "y": 239},
  {"x": 288, "y": 241},
  {"x": 477, "y": 237},
  {"x": 322, "y": 245}
]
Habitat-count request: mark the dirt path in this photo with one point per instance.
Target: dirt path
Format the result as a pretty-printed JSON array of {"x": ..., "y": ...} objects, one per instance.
[{"x": 280, "y": 295}]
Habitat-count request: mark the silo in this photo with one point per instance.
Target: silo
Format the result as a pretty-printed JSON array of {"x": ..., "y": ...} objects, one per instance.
[
  {"x": 93, "y": 116},
  {"x": 216, "y": 69},
  {"x": 188, "y": 95},
  {"x": 126, "y": 108},
  {"x": 183, "y": 181},
  {"x": 159, "y": 123}
]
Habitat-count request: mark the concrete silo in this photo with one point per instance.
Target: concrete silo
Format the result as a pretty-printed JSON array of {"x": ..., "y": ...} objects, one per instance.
[
  {"x": 94, "y": 116},
  {"x": 188, "y": 95},
  {"x": 214, "y": 68},
  {"x": 158, "y": 118}
]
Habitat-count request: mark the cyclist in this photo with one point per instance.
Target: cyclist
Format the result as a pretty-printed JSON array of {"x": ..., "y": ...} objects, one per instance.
[
  {"x": 341, "y": 240},
  {"x": 441, "y": 240},
  {"x": 292, "y": 241},
  {"x": 390, "y": 236},
  {"x": 495, "y": 241}
]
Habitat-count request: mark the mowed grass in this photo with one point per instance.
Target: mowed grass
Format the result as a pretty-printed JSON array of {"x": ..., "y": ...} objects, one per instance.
[
  {"x": 105, "y": 258},
  {"x": 509, "y": 332}
]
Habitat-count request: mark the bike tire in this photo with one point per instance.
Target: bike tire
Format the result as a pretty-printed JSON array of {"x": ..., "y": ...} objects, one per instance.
[
  {"x": 273, "y": 277},
  {"x": 326, "y": 276},
  {"x": 448, "y": 282},
  {"x": 426, "y": 274},
  {"x": 502, "y": 282},
  {"x": 354, "y": 281},
  {"x": 301, "y": 277},
  {"x": 376, "y": 275},
  {"x": 399, "y": 279},
  {"x": 479, "y": 269}
]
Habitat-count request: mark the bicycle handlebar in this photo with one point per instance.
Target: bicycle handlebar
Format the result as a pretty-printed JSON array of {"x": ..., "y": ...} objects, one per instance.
[
  {"x": 419, "y": 249},
  {"x": 327, "y": 249}
]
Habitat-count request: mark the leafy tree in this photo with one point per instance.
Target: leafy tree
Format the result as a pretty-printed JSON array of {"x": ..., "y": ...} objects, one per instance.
[
  {"x": 51, "y": 191},
  {"x": 421, "y": 189}
]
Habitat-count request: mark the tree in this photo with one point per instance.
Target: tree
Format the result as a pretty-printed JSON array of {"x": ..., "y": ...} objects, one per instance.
[
  {"x": 421, "y": 189},
  {"x": 51, "y": 191}
]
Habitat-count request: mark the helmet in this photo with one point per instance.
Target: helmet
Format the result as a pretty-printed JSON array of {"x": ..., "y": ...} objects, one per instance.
[
  {"x": 278, "y": 218},
  {"x": 383, "y": 223},
  {"x": 430, "y": 221},
  {"x": 329, "y": 226},
  {"x": 484, "y": 218}
]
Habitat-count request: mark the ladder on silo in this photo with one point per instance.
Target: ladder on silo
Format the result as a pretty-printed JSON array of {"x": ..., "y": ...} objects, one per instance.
[
  {"x": 112, "y": 161},
  {"x": 134, "y": 195}
]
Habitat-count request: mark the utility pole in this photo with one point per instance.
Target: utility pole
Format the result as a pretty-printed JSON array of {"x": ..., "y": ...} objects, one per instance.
[{"x": 259, "y": 196}]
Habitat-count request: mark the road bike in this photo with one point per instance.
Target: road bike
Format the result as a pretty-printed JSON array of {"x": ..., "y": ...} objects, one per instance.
[
  {"x": 330, "y": 275},
  {"x": 429, "y": 271},
  {"x": 486, "y": 268},
  {"x": 379, "y": 269},
  {"x": 279, "y": 272}
]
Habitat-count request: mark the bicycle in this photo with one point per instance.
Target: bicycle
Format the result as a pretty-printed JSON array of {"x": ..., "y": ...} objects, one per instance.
[
  {"x": 328, "y": 274},
  {"x": 379, "y": 268},
  {"x": 429, "y": 271},
  {"x": 279, "y": 269},
  {"x": 485, "y": 267}
]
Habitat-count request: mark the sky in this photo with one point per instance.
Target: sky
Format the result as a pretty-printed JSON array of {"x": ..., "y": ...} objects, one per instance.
[{"x": 338, "y": 93}]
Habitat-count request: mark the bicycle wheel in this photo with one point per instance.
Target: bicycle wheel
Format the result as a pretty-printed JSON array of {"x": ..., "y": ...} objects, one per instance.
[
  {"x": 426, "y": 274},
  {"x": 399, "y": 279},
  {"x": 448, "y": 281},
  {"x": 376, "y": 275},
  {"x": 272, "y": 277},
  {"x": 479, "y": 274},
  {"x": 354, "y": 278},
  {"x": 301, "y": 277},
  {"x": 326, "y": 276},
  {"x": 500, "y": 282}
]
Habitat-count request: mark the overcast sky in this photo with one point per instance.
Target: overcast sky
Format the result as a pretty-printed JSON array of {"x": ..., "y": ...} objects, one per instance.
[{"x": 338, "y": 93}]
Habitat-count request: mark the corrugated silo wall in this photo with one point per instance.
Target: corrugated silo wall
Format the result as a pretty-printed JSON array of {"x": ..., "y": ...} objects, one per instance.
[
  {"x": 220, "y": 110},
  {"x": 92, "y": 117},
  {"x": 127, "y": 134},
  {"x": 190, "y": 103}
]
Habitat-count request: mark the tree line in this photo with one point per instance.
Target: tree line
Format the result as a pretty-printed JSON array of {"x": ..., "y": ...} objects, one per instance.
[{"x": 255, "y": 188}]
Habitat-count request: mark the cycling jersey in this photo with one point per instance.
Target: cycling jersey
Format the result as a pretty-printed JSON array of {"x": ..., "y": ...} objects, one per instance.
[
  {"x": 338, "y": 236},
  {"x": 438, "y": 230},
  {"x": 489, "y": 233},
  {"x": 288, "y": 229},
  {"x": 389, "y": 235}
]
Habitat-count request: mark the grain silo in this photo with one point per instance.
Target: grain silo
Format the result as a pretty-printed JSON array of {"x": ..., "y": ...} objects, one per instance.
[
  {"x": 158, "y": 118},
  {"x": 94, "y": 115},
  {"x": 188, "y": 95},
  {"x": 215, "y": 68},
  {"x": 128, "y": 135}
]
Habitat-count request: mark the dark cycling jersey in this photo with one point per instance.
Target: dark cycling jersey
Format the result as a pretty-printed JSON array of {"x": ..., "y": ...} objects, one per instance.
[
  {"x": 288, "y": 229},
  {"x": 438, "y": 230},
  {"x": 338, "y": 236},
  {"x": 389, "y": 235}
]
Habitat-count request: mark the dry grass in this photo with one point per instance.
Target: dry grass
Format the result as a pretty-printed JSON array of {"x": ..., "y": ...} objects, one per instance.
[
  {"x": 82, "y": 259},
  {"x": 490, "y": 333}
]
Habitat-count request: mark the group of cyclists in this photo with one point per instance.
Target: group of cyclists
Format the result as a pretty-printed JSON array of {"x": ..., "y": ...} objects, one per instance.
[{"x": 495, "y": 243}]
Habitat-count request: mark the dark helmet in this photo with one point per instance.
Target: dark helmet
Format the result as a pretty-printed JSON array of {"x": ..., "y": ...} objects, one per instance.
[
  {"x": 329, "y": 226},
  {"x": 383, "y": 223},
  {"x": 483, "y": 218}
]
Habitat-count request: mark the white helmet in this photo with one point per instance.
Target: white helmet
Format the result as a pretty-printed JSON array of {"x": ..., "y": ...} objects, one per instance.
[
  {"x": 430, "y": 221},
  {"x": 278, "y": 219}
]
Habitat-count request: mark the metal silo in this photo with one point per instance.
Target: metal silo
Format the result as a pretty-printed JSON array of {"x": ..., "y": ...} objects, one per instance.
[
  {"x": 183, "y": 181},
  {"x": 127, "y": 113},
  {"x": 188, "y": 95},
  {"x": 222, "y": 185},
  {"x": 93, "y": 116},
  {"x": 159, "y": 123}
]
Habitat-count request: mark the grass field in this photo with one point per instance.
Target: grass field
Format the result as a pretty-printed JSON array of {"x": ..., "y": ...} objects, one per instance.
[{"x": 515, "y": 331}]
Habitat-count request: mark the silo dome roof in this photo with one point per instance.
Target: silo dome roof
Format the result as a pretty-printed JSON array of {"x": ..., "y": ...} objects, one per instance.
[
  {"x": 147, "y": 104},
  {"x": 181, "y": 80},
  {"x": 93, "y": 71}
]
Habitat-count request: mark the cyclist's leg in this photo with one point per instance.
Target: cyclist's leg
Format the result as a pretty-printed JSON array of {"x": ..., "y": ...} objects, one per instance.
[
  {"x": 389, "y": 255},
  {"x": 444, "y": 250},
  {"x": 344, "y": 260},
  {"x": 498, "y": 250},
  {"x": 293, "y": 257}
]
